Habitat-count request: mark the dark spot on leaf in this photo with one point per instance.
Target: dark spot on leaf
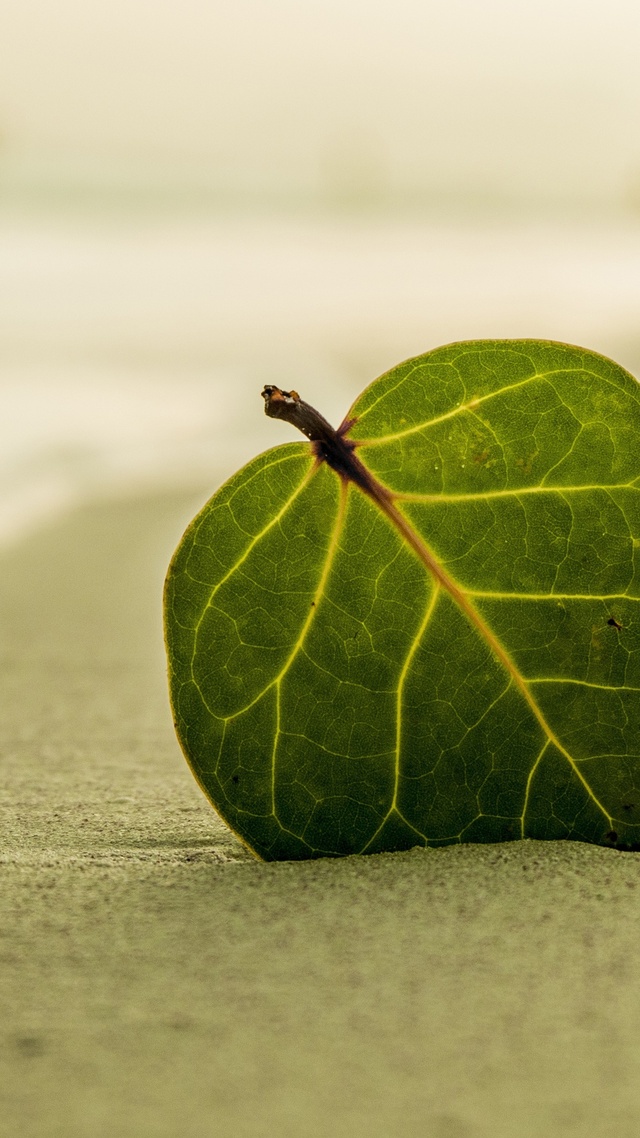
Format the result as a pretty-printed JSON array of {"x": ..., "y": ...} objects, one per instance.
[
  {"x": 626, "y": 847},
  {"x": 614, "y": 623},
  {"x": 313, "y": 604},
  {"x": 612, "y": 836},
  {"x": 235, "y": 778},
  {"x": 628, "y": 805}
]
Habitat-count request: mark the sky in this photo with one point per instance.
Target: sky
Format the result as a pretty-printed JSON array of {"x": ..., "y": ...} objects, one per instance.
[{"x": 341, "y": 100}]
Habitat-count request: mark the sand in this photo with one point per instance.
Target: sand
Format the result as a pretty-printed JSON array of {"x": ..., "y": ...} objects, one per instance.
[{"x": 156, "y": 980}]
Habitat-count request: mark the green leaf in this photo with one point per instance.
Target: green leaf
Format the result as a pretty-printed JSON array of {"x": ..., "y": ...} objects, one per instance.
[{"x": 443, "y": 646}]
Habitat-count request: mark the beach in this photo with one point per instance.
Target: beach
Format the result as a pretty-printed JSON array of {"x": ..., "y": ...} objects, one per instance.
[
  {"x": 198, "y": 201},
  {"x": 158, "y": 980}
]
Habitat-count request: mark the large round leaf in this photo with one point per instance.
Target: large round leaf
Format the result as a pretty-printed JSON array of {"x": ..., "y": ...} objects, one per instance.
[{"x": 458, "y": 660}]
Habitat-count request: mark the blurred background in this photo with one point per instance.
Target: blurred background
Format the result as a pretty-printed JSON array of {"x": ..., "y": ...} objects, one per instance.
[{"x": 203, "y": 196}]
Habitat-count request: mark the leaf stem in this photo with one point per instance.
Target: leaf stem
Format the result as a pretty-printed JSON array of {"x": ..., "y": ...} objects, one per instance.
[{"x": 329, "y": 445}]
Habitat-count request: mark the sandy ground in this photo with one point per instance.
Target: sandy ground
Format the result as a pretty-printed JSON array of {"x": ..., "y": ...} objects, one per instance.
[{"x": 157, "y": 981}]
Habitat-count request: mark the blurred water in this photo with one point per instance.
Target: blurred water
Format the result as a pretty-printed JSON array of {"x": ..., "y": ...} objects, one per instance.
[{"x": 132, "y": 355}]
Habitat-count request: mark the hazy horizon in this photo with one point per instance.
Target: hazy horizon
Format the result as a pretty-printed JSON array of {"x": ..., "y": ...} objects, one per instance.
[{"x": 407, "y": 104}]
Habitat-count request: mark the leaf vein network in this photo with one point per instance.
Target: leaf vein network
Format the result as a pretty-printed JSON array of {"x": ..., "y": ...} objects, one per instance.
[
  {"x": 462, "y": 598},
  {"x": 313, "y": 608},
  {"x": 275, "y": 520},
  {"x": 462, "y": 408}
]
